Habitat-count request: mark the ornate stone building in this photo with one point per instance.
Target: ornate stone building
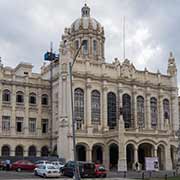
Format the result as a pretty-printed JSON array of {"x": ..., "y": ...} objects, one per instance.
[{"x": 122, "y": 114}]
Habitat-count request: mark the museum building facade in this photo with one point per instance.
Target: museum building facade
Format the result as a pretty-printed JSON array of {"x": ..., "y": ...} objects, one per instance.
[{"x": 122, "y": 114}]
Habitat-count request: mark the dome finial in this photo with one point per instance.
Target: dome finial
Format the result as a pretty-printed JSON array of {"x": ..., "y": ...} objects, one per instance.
[{"x": 85, "y": 11}]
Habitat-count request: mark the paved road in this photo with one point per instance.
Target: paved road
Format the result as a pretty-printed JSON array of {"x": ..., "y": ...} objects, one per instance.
[
  {"x": 13, "y": 175},
  {"x": 111, "y": 175}
]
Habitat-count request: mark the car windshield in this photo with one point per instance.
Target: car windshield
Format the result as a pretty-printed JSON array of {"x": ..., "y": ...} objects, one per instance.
[
  {"x": 51, "y": 167},
  {"x": 101, "y": 168}
]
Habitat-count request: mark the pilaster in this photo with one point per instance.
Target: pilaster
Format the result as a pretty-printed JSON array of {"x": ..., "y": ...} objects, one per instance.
[
  {"x": 1, "y": 89},
  {"x": 148, "y": 111},
  {"x": 26, "y": 118},
  {"x": 39, "y": 117},
  {"x": 161, "y": 117},
  {"x": 89, "y": 154},
  {"x": 88, "y": 106},
  {"x": 13, "y": 117},
  {"x": 104, "y": 114},
  {"x": 134, "y": 108},
  {"x": 168, "y": 162},
  {"x": 122, "y": 162}
]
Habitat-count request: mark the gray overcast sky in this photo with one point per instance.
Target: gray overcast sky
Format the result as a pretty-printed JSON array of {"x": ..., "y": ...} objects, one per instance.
[{"x": 152, "y": 29}]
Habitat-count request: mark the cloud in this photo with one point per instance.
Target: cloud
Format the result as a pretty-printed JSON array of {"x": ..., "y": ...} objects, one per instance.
[{"x": 152, "y": 29}]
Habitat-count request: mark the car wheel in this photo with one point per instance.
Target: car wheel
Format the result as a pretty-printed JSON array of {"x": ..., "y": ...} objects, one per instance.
[
  {"x": 44, "y": 176},
  {"x": 18, "y": 169},
  {"x": 62, "y": 172},
  {"x": 104, "y": 175},
  {"x": 35, "y": 173}
]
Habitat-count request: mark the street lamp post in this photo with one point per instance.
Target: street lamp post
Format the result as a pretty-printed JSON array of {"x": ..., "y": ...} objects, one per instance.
[
  {"x": 51, "y": 57},
  {"x": 178, "y": 152},
  {"x": 76, "y": 170}
]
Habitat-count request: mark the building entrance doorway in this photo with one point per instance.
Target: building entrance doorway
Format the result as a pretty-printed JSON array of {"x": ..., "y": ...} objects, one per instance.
[
  {"x": 114, "y": 156},
  {"x": 130, "y": 156},
  {"x": 145, "y": 150},
  {"x": 97, "y": 154},
  {"x": 81, "y": 153}
]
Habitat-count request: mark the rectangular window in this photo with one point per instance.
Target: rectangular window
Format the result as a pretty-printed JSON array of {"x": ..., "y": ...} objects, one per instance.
[
  {"x": 19, "y": 124},
  {"x": 44, "y": 125},
  {"x": 5, "y": 123},
  {"x": 32, "y": 125}
]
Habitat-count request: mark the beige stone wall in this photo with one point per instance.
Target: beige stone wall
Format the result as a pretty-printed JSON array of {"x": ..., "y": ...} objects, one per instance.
[{"x": 22, "y": 79}]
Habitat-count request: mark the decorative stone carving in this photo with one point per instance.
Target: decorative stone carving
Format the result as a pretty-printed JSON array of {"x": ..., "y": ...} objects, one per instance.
[
  {"x": 127, "y": 69},
  {"x": 63, "y": 122},
  {"x": 172, "y": 70}
]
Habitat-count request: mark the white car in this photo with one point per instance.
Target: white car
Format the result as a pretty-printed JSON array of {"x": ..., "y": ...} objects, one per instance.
[
  {"x": 40, "y": 162},
  {"x": 57, "y": 164},
  {"x": 46, "y": 170}
]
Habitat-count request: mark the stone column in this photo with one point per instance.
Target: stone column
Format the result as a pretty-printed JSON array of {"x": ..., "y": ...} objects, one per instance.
[
  {"x": 104, "y": 112},
  {"x": 89, "y": 154},
  {"x": 39, "y": 117},
  {"x": 136, "y": 159},
  {"x": 26, "y": 118},
  {"x": 25, "y": 152},
  {"x": 13, "y": 115},
  {"x": 155, "y": 152},
  {"x": 122, "y": 162},
  {"x": 106, "y": 157},
  {"x": 12, "y": 152},
  {"x": 88, "y": 107},
  {"x": 134, "y": 109},
  {"x": 38, "y": 153},
  {"x": 1, "y": 89},
  {"x": 174, "y": 112},
  {"x": 168, "y": 161},
  {"x": 148, "y": 111},
  {"x": 161, "y": 116}
]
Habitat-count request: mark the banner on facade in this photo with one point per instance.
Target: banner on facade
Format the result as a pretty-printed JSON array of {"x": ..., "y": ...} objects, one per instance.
[{"x": 152, "y": 163}]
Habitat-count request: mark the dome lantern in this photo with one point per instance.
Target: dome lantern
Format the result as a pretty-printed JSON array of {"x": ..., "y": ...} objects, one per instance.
[{"x": 85, "y": 11}]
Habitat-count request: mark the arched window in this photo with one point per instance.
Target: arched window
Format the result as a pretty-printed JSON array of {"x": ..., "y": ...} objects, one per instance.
[
  {"x": 32, "y": 98},
  {"x": 127, "y": 110},
  {"x": 19, "y": 151},
  {"x": 140, "y": 112},
  {"x": 166, "y": 109},
  {"x": 79, "y": 107},
  {"x": 5, "y": 150},
  {"x": 6, "y": 95},
  {"x": 44, "y": 99},
  {"x": 20, "y": 97},
  {"x": 32, "y": 151},
  {"x": 94, "y": 47},
  {"x": 111, "y": 98},
  {"x": 85, "y": 47},
  {"x": 44, "y": 151},
  {"x": 95, "y": 107},
  {"x": 76, "y": 44},
  {"x": 153, "y": 102}
]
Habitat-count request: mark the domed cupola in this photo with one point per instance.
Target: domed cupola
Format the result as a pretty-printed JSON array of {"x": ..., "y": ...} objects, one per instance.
[{"x": 90, "y": 31}]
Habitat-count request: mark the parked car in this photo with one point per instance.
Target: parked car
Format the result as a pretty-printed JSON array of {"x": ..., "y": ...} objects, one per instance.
[
  {"x": 23, "y": 165},
  {"x": 86, "y": 169},
  {"x": 46, "y": 170},
  {"x": 2, "y": 165},
  {"x": 58, "y": 165},
  {"x": 42, "y": 162},
  {"x": 100, "y": 170}
]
